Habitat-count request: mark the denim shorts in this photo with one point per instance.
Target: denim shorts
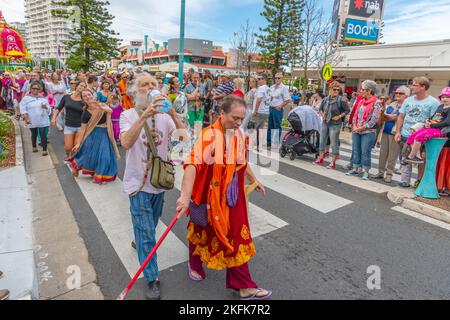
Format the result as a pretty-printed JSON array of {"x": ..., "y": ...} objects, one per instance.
[{"x": 71, "y": 130}]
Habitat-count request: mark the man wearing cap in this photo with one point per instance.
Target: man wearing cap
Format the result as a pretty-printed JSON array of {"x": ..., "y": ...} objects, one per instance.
[{"x": 123, "y": 83}]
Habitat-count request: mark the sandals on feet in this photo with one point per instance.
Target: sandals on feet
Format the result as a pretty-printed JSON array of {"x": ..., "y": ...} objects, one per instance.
[
  {"x": 192, "y": 277},
  {"x": 256, "y": 297}
]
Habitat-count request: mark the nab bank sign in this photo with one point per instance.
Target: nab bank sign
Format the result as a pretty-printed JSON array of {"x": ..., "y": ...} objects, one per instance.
[
  {"x": 366, "y": 8},
  {"x": 361, "y": 31}
]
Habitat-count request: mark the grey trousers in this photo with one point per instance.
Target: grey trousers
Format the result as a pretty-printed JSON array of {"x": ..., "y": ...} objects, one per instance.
[
  {"x": 406, "y": 168},
  {"x": 388, "y": 154}
]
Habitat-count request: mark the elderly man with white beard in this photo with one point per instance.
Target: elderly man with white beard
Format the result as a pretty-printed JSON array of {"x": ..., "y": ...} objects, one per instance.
[{"x": 146, "y": 203}]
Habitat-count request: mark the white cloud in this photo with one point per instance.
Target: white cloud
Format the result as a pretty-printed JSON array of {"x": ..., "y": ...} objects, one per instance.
[
  {"x": 418, "y": 22},
  {"x": 13, "y": 10}
]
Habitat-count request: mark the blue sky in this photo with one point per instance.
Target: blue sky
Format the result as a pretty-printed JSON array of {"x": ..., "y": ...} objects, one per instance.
[{"x": 405, "y": 20}]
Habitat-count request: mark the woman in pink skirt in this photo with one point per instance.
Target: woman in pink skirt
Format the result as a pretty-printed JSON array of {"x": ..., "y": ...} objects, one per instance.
[{"x": 115, "y": 116}]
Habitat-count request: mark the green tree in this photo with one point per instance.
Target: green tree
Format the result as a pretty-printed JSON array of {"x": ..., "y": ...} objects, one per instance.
[
  {"x": 295, "y": 33},
  {"x": 91, "y": 40},
  {"x": 282, "y": 35}
]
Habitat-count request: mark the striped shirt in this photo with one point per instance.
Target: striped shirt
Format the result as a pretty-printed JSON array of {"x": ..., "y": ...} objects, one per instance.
[{"x": 226, "y": 88}]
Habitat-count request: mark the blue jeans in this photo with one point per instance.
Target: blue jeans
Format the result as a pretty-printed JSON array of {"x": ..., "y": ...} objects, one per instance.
[
  {"x": 331, "y": 131},
  {"x": 275, "y": 117},
  {"x": 146, "y": 210},
  {"x": 362, "y": 150}
]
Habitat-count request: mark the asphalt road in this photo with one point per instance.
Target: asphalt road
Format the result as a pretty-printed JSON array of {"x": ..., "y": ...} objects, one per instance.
[{"x": 316, "y": 256}]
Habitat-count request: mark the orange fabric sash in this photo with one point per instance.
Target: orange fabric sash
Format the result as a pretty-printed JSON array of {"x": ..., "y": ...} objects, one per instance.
[{"x": 211, "y": 148}]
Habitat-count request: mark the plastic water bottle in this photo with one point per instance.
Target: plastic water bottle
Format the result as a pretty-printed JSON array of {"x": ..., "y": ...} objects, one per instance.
[{"x": 164, "y": 105}]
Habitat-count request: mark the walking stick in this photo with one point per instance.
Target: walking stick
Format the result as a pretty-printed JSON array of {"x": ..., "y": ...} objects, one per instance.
[{"x": 149, "y": 257}]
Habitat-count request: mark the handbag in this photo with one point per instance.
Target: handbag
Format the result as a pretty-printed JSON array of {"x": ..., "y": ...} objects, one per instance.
[
  {"x": 162, "y": 174},
  {"x": 198, "y": 214}
]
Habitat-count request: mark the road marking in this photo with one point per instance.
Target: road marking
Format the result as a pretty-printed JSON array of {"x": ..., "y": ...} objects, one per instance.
[
  {"x": 306, "y": 194},
  {"x": 305, "y": 164},
  {"x": 112, "y": 208},
  {"x": 422, "y": 217}
]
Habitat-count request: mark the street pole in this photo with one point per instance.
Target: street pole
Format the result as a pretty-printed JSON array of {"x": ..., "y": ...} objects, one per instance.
[{"x": 181, "y": 53}]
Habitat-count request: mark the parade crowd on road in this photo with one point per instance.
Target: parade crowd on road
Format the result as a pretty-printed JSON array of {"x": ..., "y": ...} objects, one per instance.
[{"x": 99, "y": 112}]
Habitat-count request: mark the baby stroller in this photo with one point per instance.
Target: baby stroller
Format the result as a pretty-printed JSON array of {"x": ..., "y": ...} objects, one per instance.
[{"x": 298, "y": 142}]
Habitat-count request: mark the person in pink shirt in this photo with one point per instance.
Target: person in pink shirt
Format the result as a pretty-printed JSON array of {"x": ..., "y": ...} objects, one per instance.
[
  {"x": 115, "y": 116},
  {"x": 146, "y": 202}
]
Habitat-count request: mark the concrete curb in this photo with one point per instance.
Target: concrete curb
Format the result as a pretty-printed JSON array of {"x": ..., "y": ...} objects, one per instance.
[
  {"x": 20, "y": 156},
  {"x": 405, "y": 198}
]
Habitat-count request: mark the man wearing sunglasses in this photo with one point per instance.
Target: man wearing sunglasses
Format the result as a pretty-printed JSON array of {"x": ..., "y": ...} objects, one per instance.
[{"x": 279, "y": 98}]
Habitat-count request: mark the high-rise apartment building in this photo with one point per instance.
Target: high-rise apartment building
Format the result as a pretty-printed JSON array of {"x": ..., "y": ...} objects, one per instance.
[{"x": 44, "y": 30}]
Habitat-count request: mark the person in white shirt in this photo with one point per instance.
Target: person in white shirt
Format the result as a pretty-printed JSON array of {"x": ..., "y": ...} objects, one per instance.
[
  {"x": 280, "y": 98},
  {"x": 36, "y": 110},
  {"x": 261, "y": 106}
]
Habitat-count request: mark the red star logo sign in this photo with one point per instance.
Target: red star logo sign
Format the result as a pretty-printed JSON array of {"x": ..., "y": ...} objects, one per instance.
[{"x": 359, "y": 4}]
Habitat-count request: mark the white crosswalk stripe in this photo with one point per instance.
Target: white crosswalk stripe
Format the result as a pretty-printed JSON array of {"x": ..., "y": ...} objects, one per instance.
[
  {"x": 111, "y": 207},
  {"x": 331, "y": 174},
  {"x": 313, "y": 197},
  {"x": 422, "y": 217}
]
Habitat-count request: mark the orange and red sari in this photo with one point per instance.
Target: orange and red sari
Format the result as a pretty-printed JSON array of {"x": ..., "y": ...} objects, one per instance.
[{"x": 226, "y": 242}]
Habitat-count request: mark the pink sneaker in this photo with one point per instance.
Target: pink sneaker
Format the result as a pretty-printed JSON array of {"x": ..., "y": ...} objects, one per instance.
[
  {"x": 318, "y": 162},
  {"x": 332, "y": 166}
]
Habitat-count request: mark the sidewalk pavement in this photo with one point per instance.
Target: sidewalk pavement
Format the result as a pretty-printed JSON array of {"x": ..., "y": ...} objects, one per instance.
[
  {"x": 16, "y": 237},
  {"x": 60, "y": 268}
]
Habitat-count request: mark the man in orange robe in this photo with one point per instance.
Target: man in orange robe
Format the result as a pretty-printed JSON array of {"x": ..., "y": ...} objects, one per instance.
[{"x": 127, "y": 103}]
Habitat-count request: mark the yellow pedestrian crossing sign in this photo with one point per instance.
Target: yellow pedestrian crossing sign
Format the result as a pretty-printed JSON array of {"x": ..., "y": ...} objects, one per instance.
[{"x": 327, "y": 72}]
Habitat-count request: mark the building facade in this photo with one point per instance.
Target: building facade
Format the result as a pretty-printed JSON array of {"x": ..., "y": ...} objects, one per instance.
[
  {"x": 391, "y": 65},
  {"x": 199, "y": 52},
  {"x": 45, "y": 32}
]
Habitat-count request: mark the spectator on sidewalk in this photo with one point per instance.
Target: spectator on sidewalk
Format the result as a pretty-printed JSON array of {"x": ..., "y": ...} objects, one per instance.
[
  {"x": 443, "y": 166},
  {"x": 36, "y": 110},
  {"x": 435, "y": 127},
  {"x": 365, "y": 122},
  {"x": 224, "y": 241},
  {"x": 279, "y": 98},
  {"x": 261, "y": 107},
  {"x": 332, "y": 110},
  {"x": 390, "y": 149},
  {"x": 415, "y": 110},
  {"x": 146, "y": 202}
]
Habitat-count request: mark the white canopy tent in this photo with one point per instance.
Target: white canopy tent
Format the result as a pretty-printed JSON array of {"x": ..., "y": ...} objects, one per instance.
[{"x": 173, "y": 67}]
